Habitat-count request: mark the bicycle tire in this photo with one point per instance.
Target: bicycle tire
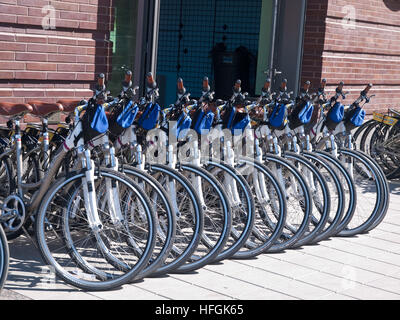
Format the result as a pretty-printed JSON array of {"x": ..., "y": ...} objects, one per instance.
[
  {"x": 4, "y": 258},
  {"x": 70, "y": 274},
  {"x": 270, "y": 208},
  {"x": 193, "y": 216},
  {"x": 349, "y": 190},
  {"x": 362, "y": 223},
  {"x": 337, "y": 207},
  {"x": 165, "y": 235},
  {"x": 321, "y": 205},
  {"x": 210, "y": 248},
  {"x": 294, "y": 234},
  {"x": 243, "y": 214}
]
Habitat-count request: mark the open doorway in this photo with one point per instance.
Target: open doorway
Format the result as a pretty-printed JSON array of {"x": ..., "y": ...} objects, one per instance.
[
  {"x": 224, "y": 40},
  {"x": 216, "y": 38}
]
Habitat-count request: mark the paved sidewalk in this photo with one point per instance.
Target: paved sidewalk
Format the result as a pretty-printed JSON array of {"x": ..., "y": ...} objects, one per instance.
[{"x": 364, "y": 267}]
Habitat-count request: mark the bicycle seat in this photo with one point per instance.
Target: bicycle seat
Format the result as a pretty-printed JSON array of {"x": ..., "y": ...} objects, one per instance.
[
  {"x": 43, "y": 109},
  {"x": 70, "y": 105},
  {"x": 14, "y": 109}
]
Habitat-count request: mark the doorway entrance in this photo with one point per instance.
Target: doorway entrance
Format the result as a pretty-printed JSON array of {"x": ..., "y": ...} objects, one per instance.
[{"x": 224, "y": 40}]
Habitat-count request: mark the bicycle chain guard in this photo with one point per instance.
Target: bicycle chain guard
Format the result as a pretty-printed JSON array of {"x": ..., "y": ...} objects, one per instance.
[{"x": 13, "y": 213}]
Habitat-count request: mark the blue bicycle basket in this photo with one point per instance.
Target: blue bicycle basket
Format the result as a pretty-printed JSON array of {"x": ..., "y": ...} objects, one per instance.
[
  {"x": 202, "y": 121},
  {"x": 128, "y": 116},
  {"x": 182, "y": 126},
  {"x": 150, "y": 117},
  {"x": 235, "y": 121},
  {"x": 301, "y": 115},
  {"x": 278, "y": 117},
  {"x": 94, "y": 122},
  {"x": 335, "y": 116},
  {"x": 355, "y": 118}
]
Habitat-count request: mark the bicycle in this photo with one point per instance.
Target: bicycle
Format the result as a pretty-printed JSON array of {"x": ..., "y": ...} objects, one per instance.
[{"x": 59, "y": 218}]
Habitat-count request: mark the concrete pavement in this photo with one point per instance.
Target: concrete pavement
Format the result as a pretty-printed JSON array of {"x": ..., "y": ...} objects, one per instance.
[{"x": 363, "y": 267}]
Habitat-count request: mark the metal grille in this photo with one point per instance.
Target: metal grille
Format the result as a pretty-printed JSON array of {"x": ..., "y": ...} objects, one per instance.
[{"x": 190, "y": 29}]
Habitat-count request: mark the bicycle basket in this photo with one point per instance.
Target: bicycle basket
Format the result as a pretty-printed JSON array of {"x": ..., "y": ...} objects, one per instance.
[
  {"x": 335, "y": 116},
  {"x": 122, "y": 118},
  {"x": 149, "y": 119},
  {"x": 94, "y": 122},
  {"x": 182, "y": 126},
  {"x": 278, "y": 118},
  {"x": 202, "y": 121},
  {"x": 301, "y": 115},
  {"x": 354, "y": 118},
  {"x": 235, "y": 121}
]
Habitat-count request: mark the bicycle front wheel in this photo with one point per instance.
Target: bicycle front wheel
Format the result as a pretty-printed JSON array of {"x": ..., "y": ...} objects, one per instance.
[
  {"x": 166, "y": 217},
  {"x": 96, "y": 259},
  {"x": 217, "y": 217},
  {"x": 4, "y": 258},
  {"x": 298, "y": 199},
  {"x": 241, "y": 202}
]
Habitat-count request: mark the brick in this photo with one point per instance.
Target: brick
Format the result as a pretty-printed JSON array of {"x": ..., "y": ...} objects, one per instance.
[
  {"x": 71, "y": 24},
  {"x": 67, "y": 6},
  {"x": 71, "y": 67},
  {"x": 70, "y": 50},
  {"x": 85, "y": 76},
  {"x": 60, "y": 93},
  {"x": 7, "y": 18},
  {"x": 42, "y": 48},
  {"x": 31, "y": 75},
  {"x": 62, "y": 58},
  {"x": 36, "y": 66},
  {"x": 29, "y": 20},
  {"x": 29, "y": 56},
  {"x": 7, "y": 55},
  {"x": 15, "y": 10},
  {"x": 33, "y": 3},
  {"x": 28, "y": 93},
  {"x": 88, "y": 8},
  {"x": 12, "y": 46},
  {"x": 30, "y": 39},
  {"x": 12, "y": 65},
  {"x": 6, "y": 93},
  {"x": 64, "y": 76}
]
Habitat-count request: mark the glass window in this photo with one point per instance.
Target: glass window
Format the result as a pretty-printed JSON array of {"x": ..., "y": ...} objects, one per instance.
[{"x": 124, "y": 40}]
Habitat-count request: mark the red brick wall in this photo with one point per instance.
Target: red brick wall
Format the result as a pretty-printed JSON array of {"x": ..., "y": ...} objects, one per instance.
[
  {"x": 51, "y": 64},
  {"x": 369, "y": 53}
]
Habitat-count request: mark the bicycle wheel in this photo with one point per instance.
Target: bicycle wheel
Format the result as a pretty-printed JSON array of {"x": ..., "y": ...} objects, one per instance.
[
  {"x": 95, "y": 258},
  {"x": 4, "y": 258},
  {"x": 7, "y": 183},
  {"x": 350, "y": 194},
  {"x": 320, "y": 196},
  {"x": 217, "y": 217},
  {"x": 298, "y": 199},
  {"x": 358, "y": 139},
  {"x": 270, "y": 208},
  {"x": 386, "y": 197},
  {"x": 379, "y": 214},
  {"x": 29, "y": 175},
  {"x": 337, "y": 195},
  {"x": 384, "y": 150},
  {"x": 369, "y": 188},
  {"x": 241, "y": 202},
  {"x": 368, "y": 131},
  {"x": 166, "y": 217},
  {"x": 380, "y": 135},
  {"x": 189, "y": 216}
]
